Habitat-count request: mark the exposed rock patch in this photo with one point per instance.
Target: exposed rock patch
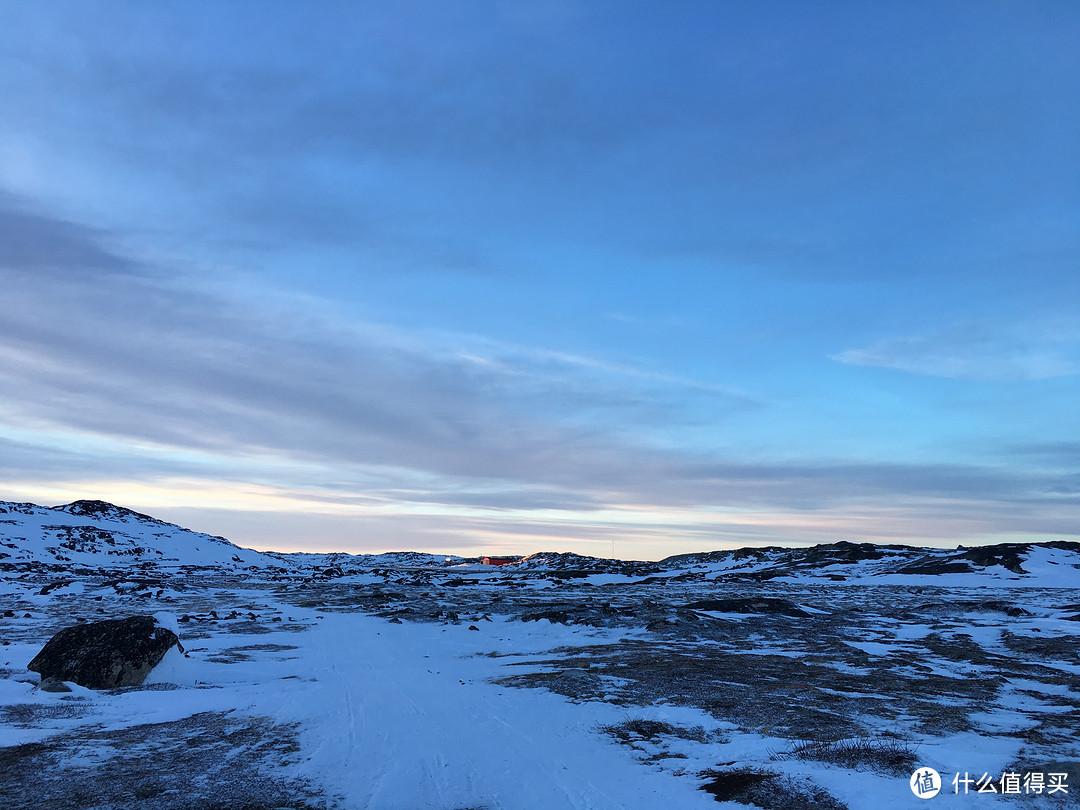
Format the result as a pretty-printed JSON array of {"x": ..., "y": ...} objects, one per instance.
[
  {"x": 208, "y": 761},
  {"x": 768, "y": 790},
  {"x": 759, "y": 604}
]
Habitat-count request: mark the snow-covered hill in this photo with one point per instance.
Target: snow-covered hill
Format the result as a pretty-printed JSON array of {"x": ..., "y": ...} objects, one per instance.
[
  {"x": 95, "y": 534},
  {"x": 1049, "y": 564}
]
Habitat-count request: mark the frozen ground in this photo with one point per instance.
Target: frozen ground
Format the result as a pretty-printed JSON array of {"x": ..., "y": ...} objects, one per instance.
[{"x": 411, "y": 682}]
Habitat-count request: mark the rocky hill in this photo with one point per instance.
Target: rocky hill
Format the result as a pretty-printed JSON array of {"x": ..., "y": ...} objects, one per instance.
[
  {"x": 1052, "y": 563},
  {"x": 95, "y": 534}
]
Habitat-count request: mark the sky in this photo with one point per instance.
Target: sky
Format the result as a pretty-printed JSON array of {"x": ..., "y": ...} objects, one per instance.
[{"x": 629, "y": 279}]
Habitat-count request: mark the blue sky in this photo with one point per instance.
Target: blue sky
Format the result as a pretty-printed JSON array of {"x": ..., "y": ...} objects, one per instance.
[{"x": 656, "y": 277}]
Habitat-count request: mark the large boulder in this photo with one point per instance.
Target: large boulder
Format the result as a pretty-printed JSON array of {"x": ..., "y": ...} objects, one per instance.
[{"x": 105, "y": 654}]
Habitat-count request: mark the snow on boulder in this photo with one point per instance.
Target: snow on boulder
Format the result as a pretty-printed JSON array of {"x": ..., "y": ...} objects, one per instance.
[{"x": 104, "y": 654}]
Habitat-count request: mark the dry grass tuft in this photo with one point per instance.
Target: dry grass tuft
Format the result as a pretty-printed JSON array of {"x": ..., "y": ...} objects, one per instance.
[{"x": 880, "y": 754}]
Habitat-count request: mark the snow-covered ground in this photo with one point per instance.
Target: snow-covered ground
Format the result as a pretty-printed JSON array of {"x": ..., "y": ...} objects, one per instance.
[{"x": 408, "y": 681}]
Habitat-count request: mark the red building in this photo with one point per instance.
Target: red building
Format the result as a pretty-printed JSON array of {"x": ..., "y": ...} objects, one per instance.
[{"x": 498, "y": 560}]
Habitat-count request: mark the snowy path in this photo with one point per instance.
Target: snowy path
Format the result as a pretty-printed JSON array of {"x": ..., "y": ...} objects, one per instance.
[{"x": 400, "y": 720}]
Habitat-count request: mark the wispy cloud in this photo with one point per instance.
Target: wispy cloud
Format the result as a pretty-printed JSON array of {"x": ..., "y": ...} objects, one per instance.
[
  {"x": 143, "y": 358},
  {"x": 32, "y": 242},
  {"x": 978, "y": 351}
]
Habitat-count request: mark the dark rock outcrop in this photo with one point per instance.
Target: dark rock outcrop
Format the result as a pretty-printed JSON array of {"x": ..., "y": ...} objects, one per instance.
[
  {"x": 105, "y": 654},
  {"x": 1007, "y": 555},
  {"x": 757, "y": 604},
  {"x": 107, "y": 511},
  {"x": 553, "y": 616}
]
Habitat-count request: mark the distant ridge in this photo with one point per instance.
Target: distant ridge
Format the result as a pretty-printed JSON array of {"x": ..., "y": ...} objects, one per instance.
[{"x": 98, "y": 534}]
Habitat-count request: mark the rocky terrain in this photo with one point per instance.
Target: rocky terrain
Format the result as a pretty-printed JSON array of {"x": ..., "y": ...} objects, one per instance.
[{"x": 812, "y": 677}]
